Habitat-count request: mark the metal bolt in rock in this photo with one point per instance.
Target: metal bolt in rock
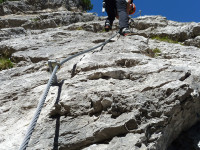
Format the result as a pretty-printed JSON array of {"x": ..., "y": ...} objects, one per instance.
[{"x": 52, "y": 64}]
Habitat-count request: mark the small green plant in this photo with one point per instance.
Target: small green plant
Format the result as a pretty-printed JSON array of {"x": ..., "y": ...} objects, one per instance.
[
  {"x": 5, "y": 63},
  {"x": 165, "y": 39},
  {"x": 86, "y": 4},
  {"x": 156, "y": 52},
  {"x": 79, "y": 28},
  {"x": 35, "y": 19}
]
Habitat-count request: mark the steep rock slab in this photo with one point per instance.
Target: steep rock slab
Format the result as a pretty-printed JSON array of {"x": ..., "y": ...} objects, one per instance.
[
  {"x": 48, "y": 44},
  {"x": 16, "y": 93},
  {"x": 116, "y": 94},
  {"x": 147, "y": 97}
]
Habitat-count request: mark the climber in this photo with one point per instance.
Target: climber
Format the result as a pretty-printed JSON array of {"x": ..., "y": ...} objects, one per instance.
[{"x": 121, "y": 10}]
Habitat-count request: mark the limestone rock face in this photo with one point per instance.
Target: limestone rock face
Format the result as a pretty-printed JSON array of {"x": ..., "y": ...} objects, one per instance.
[
  {"x": 12, "y": 22},
  {"x": 44, "y": 4},
  {"x": 42, "y": 21},
  {"x": 134, "y": 93},
  {"x": 193, "y": 42},
  {"x": 150, "y": 26},
  {"x": 8, "y": 33},
  {"x": 13, "y": 7},
  {"x": 52, "y": 20},
  {"x": 25, "y": 6}
]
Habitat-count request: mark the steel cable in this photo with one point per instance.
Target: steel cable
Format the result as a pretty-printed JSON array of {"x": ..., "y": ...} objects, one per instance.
[
  {"x": 37, "y": 113},
  {"x": 86, "y": 51},
  {"x": 41, "y": 102}
]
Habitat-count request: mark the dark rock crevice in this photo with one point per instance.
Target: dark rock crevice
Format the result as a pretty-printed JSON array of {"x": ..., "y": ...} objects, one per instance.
[
  {"x": 180, "y": 120},
  {"x": 187, "y": 140}
]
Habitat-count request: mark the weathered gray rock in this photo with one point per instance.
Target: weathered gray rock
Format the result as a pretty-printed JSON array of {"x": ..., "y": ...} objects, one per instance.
[
  {"x": 150, "y": 26},
  {"x": 20, "y": 23},
  {"x": 146, "y": 22},
  {"x": 193, "y": 42},
  {"x": 92, "y": 27},
  {"x": 70, "y": 5},
  {"x": 12, "y": 22},
  {"x": 43, "y": 24},
  {"x": 44, "y": 4},
  {"x": 121, "y": 97},
  {"x": 1, "y": 10},
  {"x": 28, "y": 6},
  {"x": 13, "y": 7},
  {"x": 8, "y": 33},
  {"x": 45, "y": 20},
  {"x": 52, "y": 20}
]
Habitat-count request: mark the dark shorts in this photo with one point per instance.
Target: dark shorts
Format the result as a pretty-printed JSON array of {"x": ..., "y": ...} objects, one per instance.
[{"x": 117, "y": 7}]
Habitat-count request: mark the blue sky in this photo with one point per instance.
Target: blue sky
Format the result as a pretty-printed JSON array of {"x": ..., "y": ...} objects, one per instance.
[{"x": 176, "y": 10}]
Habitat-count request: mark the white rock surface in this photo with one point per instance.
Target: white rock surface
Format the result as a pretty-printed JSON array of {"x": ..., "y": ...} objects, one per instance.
[{"x": 122, "y": 97}]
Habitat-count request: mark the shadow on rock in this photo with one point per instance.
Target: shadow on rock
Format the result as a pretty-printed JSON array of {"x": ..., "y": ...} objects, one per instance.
[{"x": 57, "y": 117}]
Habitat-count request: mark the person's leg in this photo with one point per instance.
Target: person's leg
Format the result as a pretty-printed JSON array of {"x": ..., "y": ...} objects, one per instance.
[
  {"x": 111, "y": 12},
  {"x": 123, "y": 16}
]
